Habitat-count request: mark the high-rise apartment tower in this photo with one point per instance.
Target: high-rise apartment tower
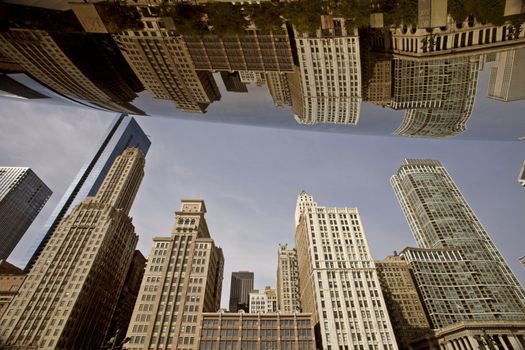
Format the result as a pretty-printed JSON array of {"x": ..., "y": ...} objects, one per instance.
[
  {"x": 457, "y": 268},
  {"x": 22, "y": 196},
  {"x": 68, "y": 298},
  {"x": 183, "y": 279}
]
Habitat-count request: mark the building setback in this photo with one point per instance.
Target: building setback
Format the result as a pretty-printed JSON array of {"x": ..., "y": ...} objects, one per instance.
[
  {"x": 457, "y": 268},
  {"x": 183, "y": 279},
  {"x": 256, "y": 331},
  {"x": 240, "y": 288},
  {"x": 338, "y": 279},
  {"x": 22, "y": 196},
  {"x": 123, "y": 132},
  {"x": 402, "y": 300},
  {"x": 68, "y": 298},
  {"x": 287, "y": 280}
]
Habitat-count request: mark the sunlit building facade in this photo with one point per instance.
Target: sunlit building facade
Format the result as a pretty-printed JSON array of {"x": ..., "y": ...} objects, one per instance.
[
  {"x": 183, "y": 279},
  {"x": 264, "y": 301},
  {"x": 338, "y": 280},
  {"x": 287, "y": 280},
  {"x": 402, "y": 300},
  {"x": 163, "y": 64},
  {"x": 256, "y": 331},
  {"x": 330, "y": 74},
  {"x": 459, "y": 272},
  {"x": 68, "y": 297},
  {"x": 123, "y": 132}
]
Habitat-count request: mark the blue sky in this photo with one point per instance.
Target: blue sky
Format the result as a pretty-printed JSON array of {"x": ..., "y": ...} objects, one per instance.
[{"x": 250, "y": 178}]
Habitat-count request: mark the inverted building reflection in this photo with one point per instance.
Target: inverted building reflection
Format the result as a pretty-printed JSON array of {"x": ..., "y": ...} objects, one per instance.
[{"x": 110, "y": 54}]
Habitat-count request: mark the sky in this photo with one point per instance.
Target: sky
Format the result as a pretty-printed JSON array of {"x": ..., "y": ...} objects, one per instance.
[{"x": 250, "y": 178}]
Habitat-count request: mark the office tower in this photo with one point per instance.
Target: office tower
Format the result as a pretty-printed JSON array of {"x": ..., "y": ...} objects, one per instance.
[
  {"x": 521, "y": 178},
  {"x": 522, "y": 261},
  {"x": 171, "y": 75},
  {"x": 11, "y": 278},
  {"x": 458, "y": 270},
  {"x": 264, "y": 301},
  {"x": 330, "y": 73},
  {"x": 507, "y": 76},
  {"x": 338, "y": 278},
  {"x": 123, "y": 132},
  {"x": 287, "y": 280},
  {"x": 128, "y": 297},
  {"x": 22, "y": 196},
  {"x": 68, "y": 297},
  {"x": 183, "y": 279},
  {"x": 232, "y": 82},
  {"x": 402, "y": 300},
  {"x": 279, "y": 88},
  {"x": 41, "y": 56},
  {"x": 251, "y": 51},
  {"x": 256, "y": 331},
  {"x": 240, "y": 288}
]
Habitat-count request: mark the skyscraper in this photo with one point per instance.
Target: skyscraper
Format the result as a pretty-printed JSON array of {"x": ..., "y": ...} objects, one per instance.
[
  {"x": 287, "y": 279},
  {"x": 240, "y": 288},
  {"x": 22, "y": 196},
  {"x": 123, "y": 132},
  {"x": 68, "y": 298},
  {"x": 338, "y": 280},
  {"x": 458, "y": 270},
  {"x": 183, "y": 279}
]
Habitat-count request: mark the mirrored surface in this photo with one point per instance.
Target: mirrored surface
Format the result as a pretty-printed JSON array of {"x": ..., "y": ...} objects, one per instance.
[{"x": 406, "y": 68}]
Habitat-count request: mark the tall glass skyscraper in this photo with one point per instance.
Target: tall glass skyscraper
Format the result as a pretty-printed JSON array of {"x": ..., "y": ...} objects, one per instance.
[
  {"x": 459, "y": 271},
  {"x": 124, "y": 132}
]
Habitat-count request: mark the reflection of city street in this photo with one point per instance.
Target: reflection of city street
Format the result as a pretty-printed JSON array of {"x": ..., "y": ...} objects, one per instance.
[{"x": 426, "y": 64}]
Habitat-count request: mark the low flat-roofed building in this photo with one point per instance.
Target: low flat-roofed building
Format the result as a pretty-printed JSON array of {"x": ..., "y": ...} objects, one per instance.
[{"x": 256, "y": 331}]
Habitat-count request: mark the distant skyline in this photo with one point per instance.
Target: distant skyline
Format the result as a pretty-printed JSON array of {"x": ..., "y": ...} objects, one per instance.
[{"x": 250, "y": 179}]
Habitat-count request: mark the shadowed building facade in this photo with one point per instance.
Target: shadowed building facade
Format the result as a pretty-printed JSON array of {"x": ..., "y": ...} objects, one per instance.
[
  {"x": 22, "y": 196},
  {"x": 240, "y": 288},
  {"x": 402, "y": 300},
  {"x": 68, "y": 298},
  {"x": 183, "y": 279}
]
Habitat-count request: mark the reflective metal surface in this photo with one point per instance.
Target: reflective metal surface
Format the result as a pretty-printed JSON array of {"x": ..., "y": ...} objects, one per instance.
[{"x": 371, "y": 69}]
